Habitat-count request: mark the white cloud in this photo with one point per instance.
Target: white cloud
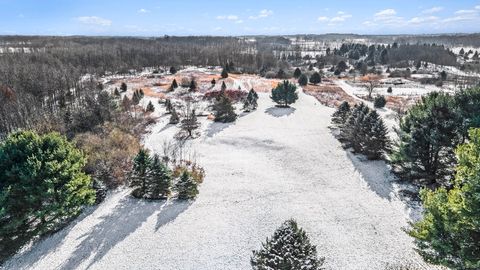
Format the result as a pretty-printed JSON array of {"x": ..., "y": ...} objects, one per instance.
[
  {"x": 227, "y": 17},
  {"x": 386, "y": 13},
  {"x": 239, "y": 21},
  {"x": 432, "y": 10},
  {"x": 94, "y": 20},
  {"x": 142, "y": 10},
  {"x": 263, "y": 14},
  {"x": 423, "y": 20},
  {"x": 465, "y": 12},
  {"x": 477, "y": 7},
  {"x": 463, "y": 15},
  {"x": 388, "y": 17},
  {"x": 342, "y": 16}
]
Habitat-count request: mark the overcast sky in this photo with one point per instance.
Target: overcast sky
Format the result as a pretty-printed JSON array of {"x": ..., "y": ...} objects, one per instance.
[{"x": 236, "y": 17}]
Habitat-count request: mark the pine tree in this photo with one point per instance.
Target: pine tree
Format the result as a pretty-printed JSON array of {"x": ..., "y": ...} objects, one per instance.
[
  {"x": 389, "y": 90},
  {"x": 159, "y": 179},
  {"x": 42, "y": 184},
  {"x": 193, "y": 86},
  {"x": 281, "y": 74},
  {"x": 150, "y": 107},
  {"x": 190, "y": 123},
  {"x": 224, "y": 73},
  {"x": 141, "y": 93},
  {"x": 187, "y": 187},
  {"x": 315, "y": 78},
  {"x": 116, "y": 92},
  {"x": 251, "y": 101},
  {"x": 375, "y": 140},
  {"x": 284, "y": 94},
  {"x": 174, "y": 118},
  {"x": 168, "y": 105},
  {"x": 379, "y": 102},
  {"x": 173, "y": 70},
  {"x": 289, "y": 248},
  {"x": 126, "y": 103},
  {"x": 303, "y": 80},
  {"x": 297, "y": 73},
  {"x": 139, "y": 173},
  {"x": 224, "y": 86},
  {"x": 223, "y": 110},
  {"x": 340, "y": 116},
  {"x": 174, "y": 84},
  {"x": 213, "y": 82},
  {"x": 449, "y": 232},
  {"x": 352, "y": 131},
  {"x": 427, "y": 135},
  {"x": 123, "y": 87}
]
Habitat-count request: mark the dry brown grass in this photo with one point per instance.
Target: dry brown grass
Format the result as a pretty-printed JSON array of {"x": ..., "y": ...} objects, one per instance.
[{"x": 329, "y": 94}]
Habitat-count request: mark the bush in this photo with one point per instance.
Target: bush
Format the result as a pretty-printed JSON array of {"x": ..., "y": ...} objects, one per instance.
[
  {"x": 111, "y": 150},
  {"x": 303, "y": 80},
  {"x": 223, "y": 109},
  {"x": 42, "y": 185},
  {"x": 187, "y": 188},
  {"x": 289, "y": 248},
  {"x": 379, "y": 102},
  {"x": 389, "y": 90},
  {"x": 315, "y": 78}
]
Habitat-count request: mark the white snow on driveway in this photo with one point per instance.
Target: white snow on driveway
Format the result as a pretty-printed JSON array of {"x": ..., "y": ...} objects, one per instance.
[{"x": 271, "y": 165}]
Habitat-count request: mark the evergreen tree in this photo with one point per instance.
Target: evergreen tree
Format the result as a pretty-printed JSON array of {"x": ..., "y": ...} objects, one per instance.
[
  {"x": 376, "y": 141},
  {"x": 126, "y": 103},
  {"x": 428, "y": 133},
  {"x": 123, "y": 87},
  {"x": 173, "y": 70},
  {"x": 150, "y": 107},
  {"x": 193, "y": 86},
  {"x": 297, "y": 73},
  {"x": 141, "y": 93},
  {"x": 315, "y": 78},
  {"x": 174, "y": 84},
  {"x": 213, "y": 82},
  {"x": 281, "y": 74},
  {"x": 389, "y": 90},
  {"x": 352, "y": 130},
  {"x": 174, "y": 118},
  {"x": 224, "y": 86},
  {"x": 384, "y": 57},
  {"x": 289, "y": 248},
  {"x": 449, "y": 232},
  {"x": 303, "y": 80},
  {"x": 340, "y": 116},
  {"x": 159, "y": 179},
  {"x": 42, "y": 185},
  {"x": 443, "y": 75},
  {"x": 251, "y": 101},
  {"x": 190, "y": 123},
  {"x": 223, "y": 110},
  {"x": 116, "y": 92},
  {"x": 168, "y": 105},
  {"x": 379, "y": 102},
  {"x": 342, "y": 66},
  {"x": 224, "y": 73},
  {"x": 139, "y": 173},
  {"x": 187, "y": 187},
  {"x": 284, "y": 94}
]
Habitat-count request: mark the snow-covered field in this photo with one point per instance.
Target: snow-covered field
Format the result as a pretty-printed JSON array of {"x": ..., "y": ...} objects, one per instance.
[{"x": 271, "y": 165}]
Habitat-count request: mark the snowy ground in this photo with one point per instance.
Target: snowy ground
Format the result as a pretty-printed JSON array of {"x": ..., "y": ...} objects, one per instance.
[{"x": 269, "y": 166}]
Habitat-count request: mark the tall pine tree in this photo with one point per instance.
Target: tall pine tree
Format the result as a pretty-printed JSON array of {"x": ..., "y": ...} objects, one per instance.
[
  {"x": 139, "y": 173},
  {"x": 159, "y": 179},
  {"x": 340, "y": 116},
  {"x": 376, "y": 141},
  {"x": 251, "y": 101},
  {"x": 223, "y": 109}
]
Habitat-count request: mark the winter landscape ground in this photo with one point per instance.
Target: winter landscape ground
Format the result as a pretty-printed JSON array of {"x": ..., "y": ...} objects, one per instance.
[{"x": 271, "y": 165}]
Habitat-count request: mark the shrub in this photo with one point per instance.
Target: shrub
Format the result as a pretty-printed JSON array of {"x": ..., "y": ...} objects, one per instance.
[
  {"x": 340, "y": 116},
  {"x": 187, "y": 188},
  {"x": 315, "y": 78},
  {"x": 389, "y": 90},
  {"x": 303, "y": 80},
  {"x": 223, "y": 110}
]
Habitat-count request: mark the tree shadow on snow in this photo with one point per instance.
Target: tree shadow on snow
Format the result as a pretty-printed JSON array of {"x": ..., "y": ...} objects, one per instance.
[
  {"x": 126, "y": 218},
  {"x": 215, "y": 127},
  {"x": 381, "y": 180},
  {"x": 280, "y": 111},
  {"x": 170, "y": 211}
]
